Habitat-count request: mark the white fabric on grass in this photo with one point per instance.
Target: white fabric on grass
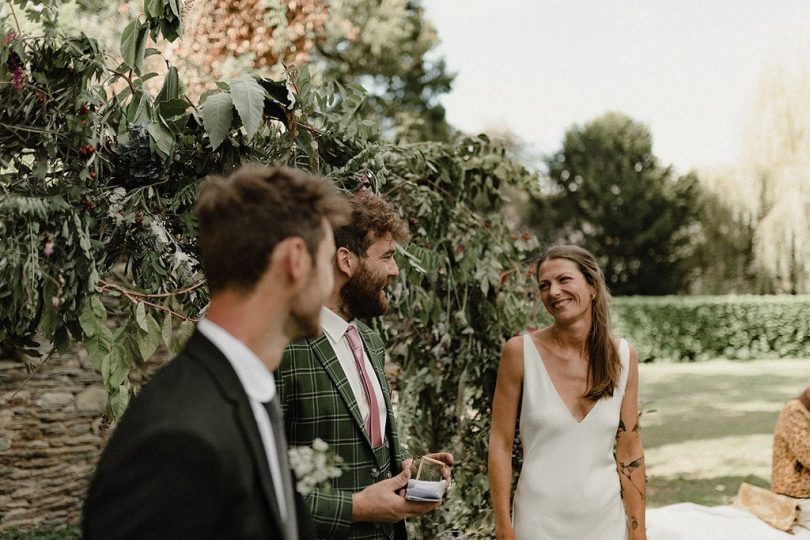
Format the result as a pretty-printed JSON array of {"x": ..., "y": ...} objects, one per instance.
[{"x": 690, "y": 521}]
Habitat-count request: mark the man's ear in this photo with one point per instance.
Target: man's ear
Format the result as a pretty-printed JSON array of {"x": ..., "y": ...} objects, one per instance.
[
  {"x": 292, "y": 256},
  {"x": 345, "y": 261}
]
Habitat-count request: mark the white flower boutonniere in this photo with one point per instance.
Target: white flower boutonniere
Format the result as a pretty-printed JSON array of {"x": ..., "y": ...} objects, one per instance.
[{"x": 314, "y": 466}]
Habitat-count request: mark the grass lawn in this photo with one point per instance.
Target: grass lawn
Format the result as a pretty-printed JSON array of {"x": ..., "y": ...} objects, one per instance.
[{"x": 707, "y": 426}]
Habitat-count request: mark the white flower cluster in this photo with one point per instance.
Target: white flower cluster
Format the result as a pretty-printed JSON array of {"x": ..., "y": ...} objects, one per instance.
[{"x": 314, "y": 466}]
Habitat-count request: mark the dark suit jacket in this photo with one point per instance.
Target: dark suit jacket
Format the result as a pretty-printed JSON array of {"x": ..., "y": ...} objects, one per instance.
[{"x": 187, "y": 461}]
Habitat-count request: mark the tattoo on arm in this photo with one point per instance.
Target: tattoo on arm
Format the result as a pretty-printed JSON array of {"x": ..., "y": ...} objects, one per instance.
[
  {"x": 627, "y": 469},
  {"x": 633, "y": 522},
  {"x": 623, "y": 428}
]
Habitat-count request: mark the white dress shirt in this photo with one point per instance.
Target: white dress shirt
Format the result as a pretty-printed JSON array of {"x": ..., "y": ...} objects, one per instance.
[
  {"x": 334, "y": 326},
  {"x": 260, "y": 387}
]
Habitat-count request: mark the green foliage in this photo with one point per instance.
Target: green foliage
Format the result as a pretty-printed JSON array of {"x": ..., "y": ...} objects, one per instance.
[
  {"x": 389, "y": 49},
  {"x": 611, "y": 196},
  {"x": 465, "y": 295},
  {"x": 98, "y": 179},
  {"x": 704, "y": 327},
  {"x": 723, "y": 262},
  {"x": 66, "y": 533}
]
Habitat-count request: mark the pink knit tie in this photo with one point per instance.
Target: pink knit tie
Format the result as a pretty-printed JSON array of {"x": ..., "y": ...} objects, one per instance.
[{"x": 373, "y": 422}]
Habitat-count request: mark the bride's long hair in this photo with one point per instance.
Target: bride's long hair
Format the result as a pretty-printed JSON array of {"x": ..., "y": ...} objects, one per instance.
[{"x": 604, "y": 364}]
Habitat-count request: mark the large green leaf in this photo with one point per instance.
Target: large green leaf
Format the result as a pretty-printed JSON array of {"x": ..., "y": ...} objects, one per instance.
[
  {"x": 133, "y": 44},
  {"x": 166, "y": 330},
  {"x": 153, "y": 8},
  {"x": 140, "y": 316},
  {"x": 173, "y": 107},
  {"x": 172, "y": 87},
  {"x": 184, "y": 332},
  {"x": 138, "y": 108},
  {"x": 119, "y": 366},
  {"x": 162, "y": 137},
  {"x": 149, "y": 340},
  {"x": 248, "y": 98},
  {"x": 117, "y": 402},
  {"x": 174, "y": 5},
  {"x": 99, "y": 346},
  {"x": 88, "y": 319},
  {"x": 217, "y": 115}
]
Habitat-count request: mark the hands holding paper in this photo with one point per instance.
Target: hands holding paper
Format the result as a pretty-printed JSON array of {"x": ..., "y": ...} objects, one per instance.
[{"x": 430, "y": 476}]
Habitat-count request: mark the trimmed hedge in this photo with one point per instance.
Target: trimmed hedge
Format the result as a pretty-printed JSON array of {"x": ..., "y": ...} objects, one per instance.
[{"x": 693, "y": 328}]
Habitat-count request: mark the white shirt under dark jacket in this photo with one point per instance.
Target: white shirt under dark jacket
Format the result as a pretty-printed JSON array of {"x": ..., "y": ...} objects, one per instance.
[
  {"x": 260, "y": 387},
  {"x": 334, "y": 326}
]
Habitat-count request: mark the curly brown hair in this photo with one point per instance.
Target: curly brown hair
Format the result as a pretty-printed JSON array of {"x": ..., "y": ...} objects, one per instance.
[
  {"x": 242, "y": 218},
  {"x": 372, "y": 218}
]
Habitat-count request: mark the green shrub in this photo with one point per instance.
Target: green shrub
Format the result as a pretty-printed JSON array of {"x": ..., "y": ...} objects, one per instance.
[
  {"x": 66, "y": 533},
  {"x": 692, "y": 328}
]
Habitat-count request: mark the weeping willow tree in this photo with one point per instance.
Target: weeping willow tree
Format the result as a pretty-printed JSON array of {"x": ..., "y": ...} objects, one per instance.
[{"x": 769, "y": 190}]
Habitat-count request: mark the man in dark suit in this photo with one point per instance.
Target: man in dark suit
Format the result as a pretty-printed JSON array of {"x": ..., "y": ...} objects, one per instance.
[
  {"x": 200, "y": 453},
  {"x": 333, "y": 387}
]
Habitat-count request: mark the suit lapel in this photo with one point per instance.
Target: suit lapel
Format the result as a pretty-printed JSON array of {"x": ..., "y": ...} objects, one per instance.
[
  {"x": 331, "y": 364},
  {"x": 215, "y": 363}
]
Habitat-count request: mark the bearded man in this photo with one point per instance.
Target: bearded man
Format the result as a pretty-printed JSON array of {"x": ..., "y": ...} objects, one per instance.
[{"x": 333, "y": 387}]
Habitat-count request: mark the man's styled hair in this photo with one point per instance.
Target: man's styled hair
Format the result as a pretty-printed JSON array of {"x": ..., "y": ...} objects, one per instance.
[
  {"x": 371, "y": 218},
  {"x": 242, "y": 218}
]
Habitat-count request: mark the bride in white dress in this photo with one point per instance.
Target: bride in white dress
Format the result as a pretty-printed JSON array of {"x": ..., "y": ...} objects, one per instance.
[{"x": 575, "y": 388}]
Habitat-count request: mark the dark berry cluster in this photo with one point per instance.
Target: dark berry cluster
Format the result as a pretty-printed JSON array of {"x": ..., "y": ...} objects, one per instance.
[
  {"x": 15, "y": 65},
  {"x": 87, "y": 150}
]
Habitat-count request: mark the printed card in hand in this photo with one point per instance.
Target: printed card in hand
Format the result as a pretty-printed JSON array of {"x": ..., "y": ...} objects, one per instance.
[{"x": 430, "y": 470}]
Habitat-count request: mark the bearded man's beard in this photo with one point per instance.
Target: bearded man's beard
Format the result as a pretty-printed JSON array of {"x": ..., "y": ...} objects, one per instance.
[{"x": 361, "y": 297}]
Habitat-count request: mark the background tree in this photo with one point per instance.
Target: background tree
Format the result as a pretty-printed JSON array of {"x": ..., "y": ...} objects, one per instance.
[
  {"x": 770, "y": 186},
  {"x": 385, "y": 47},
  {"x": 389, "y": 48},
  {"x": 723, "y": 259},
  {"x": 608, "y": 193}
]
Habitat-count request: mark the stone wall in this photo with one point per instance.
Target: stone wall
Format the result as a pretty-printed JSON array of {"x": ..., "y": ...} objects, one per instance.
[{"x": 51, "y": 422}]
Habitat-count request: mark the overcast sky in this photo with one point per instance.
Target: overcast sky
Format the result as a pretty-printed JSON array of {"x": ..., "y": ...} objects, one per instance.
[{"x": 687, "y": 68}]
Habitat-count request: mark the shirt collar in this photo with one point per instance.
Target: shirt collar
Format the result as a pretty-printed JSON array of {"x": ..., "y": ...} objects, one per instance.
[
  {"x": 256, "y": 379},
  {"x": 334, "y": 326}
]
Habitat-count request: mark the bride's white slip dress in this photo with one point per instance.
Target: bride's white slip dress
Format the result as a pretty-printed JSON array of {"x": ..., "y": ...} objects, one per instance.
[{"x": 568, "y": 487}]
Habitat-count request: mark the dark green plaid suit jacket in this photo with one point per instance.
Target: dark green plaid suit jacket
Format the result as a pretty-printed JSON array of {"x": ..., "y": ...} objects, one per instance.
[{"x": 318, "y": 403}]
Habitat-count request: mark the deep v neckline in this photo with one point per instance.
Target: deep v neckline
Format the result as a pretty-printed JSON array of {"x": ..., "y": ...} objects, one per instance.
[{"x": 554, "y": 386}]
